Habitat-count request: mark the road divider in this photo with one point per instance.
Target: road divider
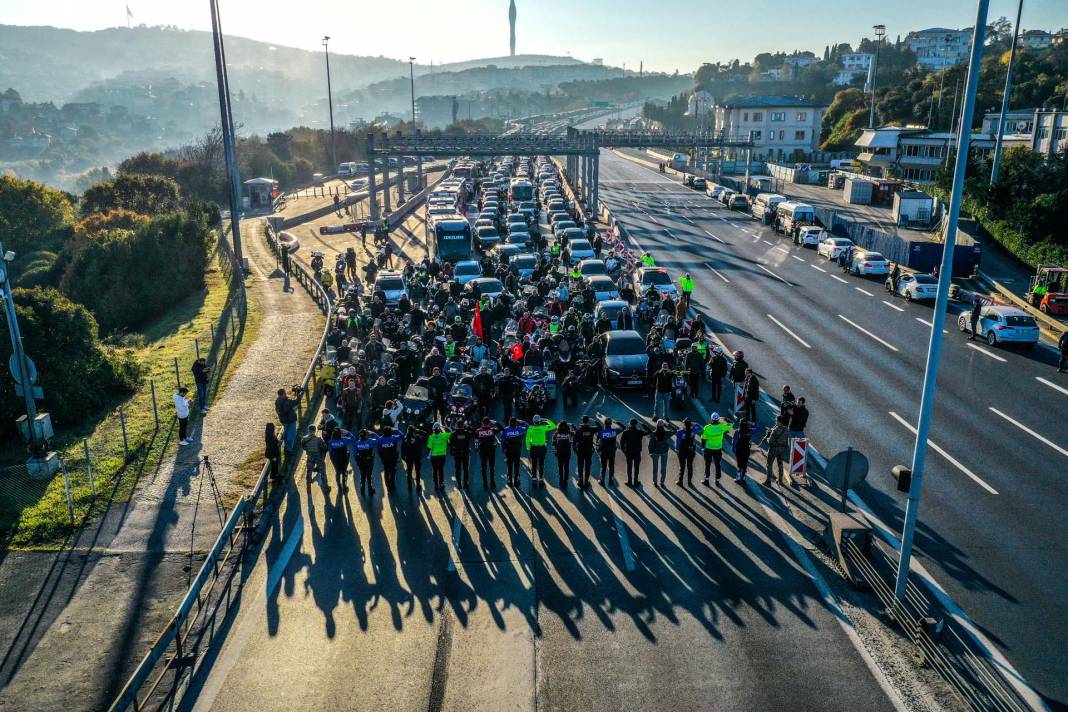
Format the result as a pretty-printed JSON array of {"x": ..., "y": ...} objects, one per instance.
[
  {"x": 952, "y": 460},
  {"x": 861, "y": 329}
]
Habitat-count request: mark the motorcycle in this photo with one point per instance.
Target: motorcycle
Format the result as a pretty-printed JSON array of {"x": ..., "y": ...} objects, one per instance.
[
  {"x": 585, "y": 371},
  {"x": 532, "y": 379},
  {"x": 461, "y": 406},
  {"x": 680, "y": 389}
]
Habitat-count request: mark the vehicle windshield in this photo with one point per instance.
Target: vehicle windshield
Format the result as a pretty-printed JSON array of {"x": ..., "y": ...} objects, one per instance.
[
  {"x": 487, "y": 232},
  {"x": 464, "y": 270},
  {"x": 593, "y": 268},
  {"x": 874, "y": 257},
  {"x": 627, "y": 345},
  {"x": 611, "y": 310},
  {"x": 657, "y": 278},
  {"x": 1021, "y": 321},
  {"x": 602, "y": 284},
  {"x": 390, "y": 284},
  {"x": 925, "y": 279},
  {"x": 581, "y": 246},
  {"x": 491, "y": 285},
  {"x": 524, "y": 261}
]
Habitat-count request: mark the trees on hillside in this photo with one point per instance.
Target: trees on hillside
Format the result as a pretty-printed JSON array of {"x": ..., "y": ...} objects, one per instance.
[{"x": 145, "y": 194}]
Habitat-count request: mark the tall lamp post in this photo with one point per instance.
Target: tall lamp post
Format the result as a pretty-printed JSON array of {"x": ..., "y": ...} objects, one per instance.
[
  {"x": 418, "y": 158},
  {"x": 226, "y": 123},
  {"x": 996, "y": 163},
  {"x": 880, "y": 32},
  {"x": 330, "y": 101}
]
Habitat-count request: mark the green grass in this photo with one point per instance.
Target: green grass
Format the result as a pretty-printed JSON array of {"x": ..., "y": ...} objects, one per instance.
[{"x": 35, "y": 514}]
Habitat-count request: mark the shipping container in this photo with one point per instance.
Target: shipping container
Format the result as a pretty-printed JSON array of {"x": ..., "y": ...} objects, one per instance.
[
  {"x": 913, "y": 207},
  {"x": 883, "y": 191},
  {"x": 835, "y": 181},
  {"x": 857, "y": 191}
]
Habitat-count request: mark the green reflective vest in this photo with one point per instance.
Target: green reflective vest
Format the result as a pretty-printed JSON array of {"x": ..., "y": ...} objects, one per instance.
[
  {"x": 537, "y": 434},
  {"x": 648, "y": 261},
  {"x": 712, "y": 435},
  {"x": 438, "y": 443},
  {"x": 687, "y": 284}
]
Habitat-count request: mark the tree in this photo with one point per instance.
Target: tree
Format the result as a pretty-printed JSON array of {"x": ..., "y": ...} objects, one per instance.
[
  {"x": 148, "y": 195},
  {"x": 79, "y": 376},
  {"x": 33, "y": 216},
  {"x": 150, "y": 164},
  {"x": 843, "y": 120}
]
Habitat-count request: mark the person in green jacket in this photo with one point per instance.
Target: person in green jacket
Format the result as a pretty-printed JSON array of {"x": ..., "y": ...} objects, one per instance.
[
  {"x": 537, "y": 436},
  {"x": 438, "y": 445},
  {"x": 712, "y": 437},
  {"x": 686, "y": 282}
]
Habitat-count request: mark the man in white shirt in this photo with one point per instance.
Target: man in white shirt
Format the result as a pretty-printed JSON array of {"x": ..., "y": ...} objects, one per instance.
[{"x": 181, "y": 410}]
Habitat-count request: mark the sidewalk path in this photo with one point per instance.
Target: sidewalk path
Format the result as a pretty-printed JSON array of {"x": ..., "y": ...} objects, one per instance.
[{"x": 74, "y": 624}]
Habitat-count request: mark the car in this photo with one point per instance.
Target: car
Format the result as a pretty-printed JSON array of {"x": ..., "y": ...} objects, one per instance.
[
  {"x": 811, "y": 236},
  {"x": 611, "y": 308},
  {"x": 715, "y": 191},
  {"x": 604, "y": 288},
  {"x": 358, "y": 184},
  {"x": 581, "y": 250},
  {"x": 503, "y": 251},
  {"x": 726, "y": 195},
  {"x": 486, "y": 237},
  {"x": 573, "y": 233},
  {"x": 560, "y": 227},
  {"x": 833, "y": 246},
  {"x": 517, "y": 219},
  {"x": 738, "y": 202},
  {"x": 524, "y": 264},
  {"x": 1002, "y": 324},
  {"x": 592, "y": 268},
  {"x": 914, "y": 287},
  {"x": 467, "y": 270},
  {"x": 483, "y": 222},
  {"x": 490, "y": 286},
  {"x": 392, "y": 285},
  {"x": 865, "y": 262},
  {"x": 625, "y": 362},
  {"x": 656, "y": 278},
  {"x": 699, "y": 184},
  {"x": 518, "y": 237},
  {"x": 687, "y": 180},
  {"x": 490, "y": 215},
  {"x": 558, "y": 216}
]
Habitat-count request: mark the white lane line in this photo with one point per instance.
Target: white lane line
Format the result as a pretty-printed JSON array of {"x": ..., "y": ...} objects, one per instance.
[
  {"x": 1051, "y": 384},
  {"x": 773, "y": 274},
  {"x": 787, "y": 330},
  {"x": 766, "y": 242},
  {"x": 860, "y": 328},
  {"x": 834, "y": 276},
  {"x": 797, "y": 258},
  {"x": 865, "y": 291},
  {"x": 1030, "y": 432},
  {"x": 780, "y": 247},
  {"x": 716, "y": 272},
  {"x": 984, "y": 352},
  {"x": 893, "y": 306},
  {"x": 929, "y": 324},
  {"x": 714, "y": 237},
  {"x": 946, "y": 455},
  {"x": 818, "y": 268}
]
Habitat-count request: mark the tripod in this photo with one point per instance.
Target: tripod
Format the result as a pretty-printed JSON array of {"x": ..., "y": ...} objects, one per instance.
[{"x": 207, "y": 472}]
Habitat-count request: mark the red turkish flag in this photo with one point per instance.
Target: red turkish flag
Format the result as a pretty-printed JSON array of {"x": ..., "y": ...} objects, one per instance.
[{"x": 476, "y": 323}]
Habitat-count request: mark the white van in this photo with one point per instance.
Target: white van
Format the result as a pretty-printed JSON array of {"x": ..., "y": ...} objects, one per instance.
[
  {"x": 764, "y": 205},
  {"x": 344, "y": 170},
  {"x": 795, "y": 214}
]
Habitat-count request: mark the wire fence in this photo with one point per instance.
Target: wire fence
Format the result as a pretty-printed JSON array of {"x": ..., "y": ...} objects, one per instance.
[{"x": 108, "y": 462}]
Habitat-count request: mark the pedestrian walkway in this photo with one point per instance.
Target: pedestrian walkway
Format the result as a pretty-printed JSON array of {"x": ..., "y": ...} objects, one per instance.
[{"x": 86, "y": 615}]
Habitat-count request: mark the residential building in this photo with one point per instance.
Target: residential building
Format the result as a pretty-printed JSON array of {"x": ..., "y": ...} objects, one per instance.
[
  {"x": 774, "y": 74},
  {"x": 1017, "y": 121},
  {"x": 854, "y": 64},
  {"x": 1035, "y": 39},
  {"x": 913, "y": 153},
  {"x": 800, "y": 61},
  {"x": 937, "y": 47},
  {"x": 1059, "y": 36},
  {"x": 1051, "y": 132},
  {"x": 782, "y": 127}
]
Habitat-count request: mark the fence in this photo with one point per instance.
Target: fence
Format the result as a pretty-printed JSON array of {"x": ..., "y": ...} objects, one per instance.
[
  {"x": 159, "y": 680},
  {"x": 108, "y": 461}
]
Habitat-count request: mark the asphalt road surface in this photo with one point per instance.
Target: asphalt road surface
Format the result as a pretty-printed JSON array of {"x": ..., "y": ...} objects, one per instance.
[
  {"x": 609, "y": 599},
  {"x": 991, "y": 525}
]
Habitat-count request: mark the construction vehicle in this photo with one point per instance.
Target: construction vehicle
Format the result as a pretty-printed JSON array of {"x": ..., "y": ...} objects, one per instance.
[{"x": 1049, "y": 290}]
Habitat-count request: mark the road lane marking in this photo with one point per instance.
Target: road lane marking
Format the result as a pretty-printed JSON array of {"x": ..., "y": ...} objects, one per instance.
[
  {"x": 714, "y": 237},
  {"x": 858, "y": 327},
  {"x": 819, "y": 268},
  {"x": 787, "y": 330},
  {"x": 773, "y": 274},
  {"x": 893, "y": 306},
  {"x": 929, "y": 324},
  {"x": 946, "y": 455},
  {"x": 716, "y": 272},
  {"x": 865, "y": 291},
  {"x": 1030, "y": 432},
  {"x": 797, "y": 258},
  {"x": 834, "y": 276},
  {"x": 1051, "y": 384},
  {"x": 780, "y": 247},
  {"x": 984, "y": 352},
  {"x": 766, "y": 242}
]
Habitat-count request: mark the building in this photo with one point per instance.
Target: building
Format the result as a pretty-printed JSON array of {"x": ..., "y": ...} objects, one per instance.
[
  {"x": 511, "y": 25},
  {"x": 937, "y": 47},
  {"x": 1059, "y": 36},
  {"x": 800, "y": 61},
  {"x": 1050, "y": 132},
  {"x": 782, "y": 127},
  {"x": 854, "y": 65},
  {"x": 1017, "y": 121},
  {"x": 913, "y": 153},
  {"x": 1035, "y": 39},
  {"x": 700, "y": 103}
]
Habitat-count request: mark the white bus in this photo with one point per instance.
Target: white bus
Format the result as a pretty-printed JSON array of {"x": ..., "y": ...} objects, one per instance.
[{"x": 521, "y": 190}]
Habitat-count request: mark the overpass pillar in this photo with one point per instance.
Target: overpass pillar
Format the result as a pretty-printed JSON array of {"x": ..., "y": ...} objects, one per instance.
[
  {"x": 385, "y": 185},
  {"x": 595, "y": 205},
  {"x": 372, "y": 188},
  {"x": 419, "y": 162},
  {"x": 747, "y": 171}
]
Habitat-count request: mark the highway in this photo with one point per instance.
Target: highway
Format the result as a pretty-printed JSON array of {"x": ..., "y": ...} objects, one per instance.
[
  {"x": 992, "y": 517},
  {"x": 549, "y": 599}
]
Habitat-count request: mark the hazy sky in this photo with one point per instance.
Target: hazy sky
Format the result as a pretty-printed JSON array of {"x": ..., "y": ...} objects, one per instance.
[{"x": 666, "y": 34}]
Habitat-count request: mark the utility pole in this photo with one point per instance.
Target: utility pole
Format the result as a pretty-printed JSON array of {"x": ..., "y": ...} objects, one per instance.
[
  {"x": 226, "y": 123},
  {"x": 996, "y": 163},
  {"x": 418, "y": 157},
  {"x": 880, "y": 32},
  {"x": 16, "y": 340},
  {"x": 330, "y": 102},
  {"x": 945, "y": 275}
]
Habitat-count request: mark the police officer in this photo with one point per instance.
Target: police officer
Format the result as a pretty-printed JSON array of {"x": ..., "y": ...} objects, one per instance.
[
  {"x": 486, "y": 436},
  {"x": 512, "y": 444},
  {"x": 632, "y": 439},
  {"x": 585, "y": 438},
  {"x": 460, "y": 445},
  {"x": 607, "y": 440},
  {"x": 412, "y": 452},
  {"x": 387, "y": 454},
  {"x": 365, "y": 460}
]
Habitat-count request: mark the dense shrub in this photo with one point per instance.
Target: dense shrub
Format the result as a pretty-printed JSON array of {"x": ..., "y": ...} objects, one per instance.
[
  {"x": 145, "y": 194},
  {"x": 32, "y": 216},
  {"x": 80, "y": 377}
]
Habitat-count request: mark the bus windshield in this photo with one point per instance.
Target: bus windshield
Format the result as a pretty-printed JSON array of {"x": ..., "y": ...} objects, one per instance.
[{"x": 453, "y": 241}]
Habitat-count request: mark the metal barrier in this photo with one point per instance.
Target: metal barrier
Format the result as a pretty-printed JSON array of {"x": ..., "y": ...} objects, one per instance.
[{"x": 192, "y": 628}]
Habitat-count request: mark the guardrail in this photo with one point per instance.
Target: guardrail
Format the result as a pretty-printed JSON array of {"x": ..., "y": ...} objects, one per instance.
[{"x": 159, "y": 679}]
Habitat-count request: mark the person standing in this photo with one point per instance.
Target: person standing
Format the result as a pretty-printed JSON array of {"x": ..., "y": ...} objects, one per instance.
[
  {"x": 977, "y": 307},
  {"x": 486, "y": 436},
  {"x": 777, "y": 438},
  {"x": 438, "y": 445},
  {"x": 365, "y": 460},
  {"x": 1062, "y": 346},
  {"x": 181, "y": 411},
  {"x": 607, "y": 441},
  {"x": 686, "y": 439},
  {"x": 717, "y": 370},
  {"x": 338, "y": 441},
  {"x": 798, "y": 419},
  {"x": 512, "y": 444},
  {"x": 663, "y": 383},
  {"x": 751, "y": 391},
  {"x": 562, "y": 440},
  {"x": 585, "y": 439},
  {"x": 631, "y": 440},
  {"x": 314, "y": 454},
  {"x": 536, "y": 439},
  {"x": 272, "y": 451},
  {"x": 286, "y": 410},
  {"x": 412, "y": 452},
  {"x": 387, "y": 455},
  {"x": 687, "y": 284},
  {"x": 659, "y": 446},
  {"x": 743, "y": 446},
  {"x": 712, "y": 439},
  {"x": 460, "y": 446},
  {"x": 200, "y": 378},
  {"x": 695, "y": 370}
]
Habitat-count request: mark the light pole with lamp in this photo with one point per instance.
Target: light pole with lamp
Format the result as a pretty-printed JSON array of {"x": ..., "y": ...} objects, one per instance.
[
  {"x": 1000, "y": 140},
  {"x": 418, "y": 157},
  {"x": 880, "y": 32},
  {"x": 330, "y": 101}
]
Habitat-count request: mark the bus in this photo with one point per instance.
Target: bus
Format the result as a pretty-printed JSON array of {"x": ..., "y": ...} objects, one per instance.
[
  {"x": 521, "y": 191},
  {"x": 449, "y": 238}
]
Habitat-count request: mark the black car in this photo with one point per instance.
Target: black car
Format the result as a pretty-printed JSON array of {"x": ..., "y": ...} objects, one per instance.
[{"x": 625, "y": 362}]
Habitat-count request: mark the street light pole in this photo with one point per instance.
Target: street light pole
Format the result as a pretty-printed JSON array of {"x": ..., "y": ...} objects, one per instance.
[
  {"x": 330, "y": 101},
  {"x": 945, "y": 275},
  {"x": 996, "y": 163},
  {"x": 418, "y": 157},
  {"x": 880, "y": 32},
  {"x": 16, "y": 343},
  {"x": 226, "y": 123}
]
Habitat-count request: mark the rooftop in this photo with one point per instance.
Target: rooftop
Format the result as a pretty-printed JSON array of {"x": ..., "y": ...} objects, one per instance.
[{"x": 771, "y": 101}]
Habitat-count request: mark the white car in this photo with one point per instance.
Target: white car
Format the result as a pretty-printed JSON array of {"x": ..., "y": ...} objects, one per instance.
[
  {"x": 656, "y": 278},
  {"x": 604, "y": 288},
  {"x": 490, "y": 286},
  {"x": 914, "y": 287},
  {"x": 524, "y": 264},
  {"x": 811, "y": 236},
  {"x": 591, "y": 268},
  {"x": 392, "y": 285},
  {"x": 467, "y": 270},
  {"x": 1002, "y": 324},
  {"x": 715, "y": 191},
  {"x": 581, "y": 250},
  {"x": 833, "y": 246},
  {"x": 865, "y": 262}
]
